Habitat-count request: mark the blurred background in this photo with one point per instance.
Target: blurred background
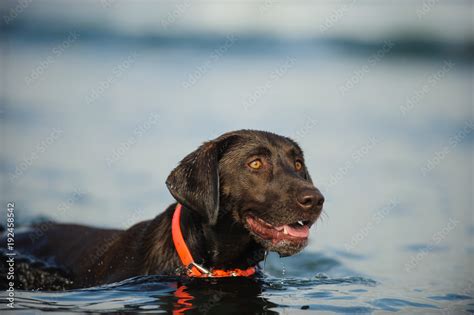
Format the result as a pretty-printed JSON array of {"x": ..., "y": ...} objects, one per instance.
[{"x": 101, "y": 99}]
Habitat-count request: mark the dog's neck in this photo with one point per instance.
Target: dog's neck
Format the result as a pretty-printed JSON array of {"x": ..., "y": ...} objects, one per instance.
[{"x": 226, "y": 245}]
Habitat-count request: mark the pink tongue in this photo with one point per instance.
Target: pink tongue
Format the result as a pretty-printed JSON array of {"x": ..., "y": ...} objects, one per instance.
[{"x": 301, "y": 231}]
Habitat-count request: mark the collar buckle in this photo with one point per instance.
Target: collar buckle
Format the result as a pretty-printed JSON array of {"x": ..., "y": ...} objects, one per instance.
[{"x": 200, "y": 268}]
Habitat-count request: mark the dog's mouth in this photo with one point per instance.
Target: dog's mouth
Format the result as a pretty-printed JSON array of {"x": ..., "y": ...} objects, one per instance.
[{"x": 293, "y": 232}]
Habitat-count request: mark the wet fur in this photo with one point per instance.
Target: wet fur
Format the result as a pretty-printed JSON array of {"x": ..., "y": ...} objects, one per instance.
[{"x": 217, "y": 192}]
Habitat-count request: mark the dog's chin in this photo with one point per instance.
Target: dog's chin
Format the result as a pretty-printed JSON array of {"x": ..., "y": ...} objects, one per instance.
[{"x": 285, "y": 239}]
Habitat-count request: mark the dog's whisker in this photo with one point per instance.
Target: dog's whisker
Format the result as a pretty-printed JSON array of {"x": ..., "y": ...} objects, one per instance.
[{"x": 324, "y": 213}]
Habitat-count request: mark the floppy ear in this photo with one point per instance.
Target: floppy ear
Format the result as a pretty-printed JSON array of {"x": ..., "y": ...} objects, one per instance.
[{"x": 195, "y": 181}]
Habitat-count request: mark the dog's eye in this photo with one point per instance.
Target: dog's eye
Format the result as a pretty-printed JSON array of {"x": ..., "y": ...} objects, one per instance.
[
  {"x": 256, "y": 164},
  {"x": 298, "y": 165}
]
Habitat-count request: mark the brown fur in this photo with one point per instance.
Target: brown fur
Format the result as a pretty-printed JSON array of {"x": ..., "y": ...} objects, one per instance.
[{"x": 218, "y": 191}]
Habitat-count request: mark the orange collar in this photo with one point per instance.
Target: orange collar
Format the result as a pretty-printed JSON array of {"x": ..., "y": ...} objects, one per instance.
[{"x": 193, "y": 269}]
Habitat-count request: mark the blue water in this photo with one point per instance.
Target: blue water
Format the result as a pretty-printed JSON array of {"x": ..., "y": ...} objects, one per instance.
[
  {"x": 236, "y": 296},
  {"x": 389, "y": 143}
]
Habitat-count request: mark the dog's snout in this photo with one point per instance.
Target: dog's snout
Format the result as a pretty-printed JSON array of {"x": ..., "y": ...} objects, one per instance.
[{"x": 308, "y": 199}]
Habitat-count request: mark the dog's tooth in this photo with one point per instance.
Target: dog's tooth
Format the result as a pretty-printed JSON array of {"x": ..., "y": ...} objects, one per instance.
[
  {"x": 285, "y": 230},
  {"x": 300, "y": 223}
]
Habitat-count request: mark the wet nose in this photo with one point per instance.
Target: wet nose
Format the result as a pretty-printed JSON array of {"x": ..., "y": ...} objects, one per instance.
[{"x": 310, "y": 198}]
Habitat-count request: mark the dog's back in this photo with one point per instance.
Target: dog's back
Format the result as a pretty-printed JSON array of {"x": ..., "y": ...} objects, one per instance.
[{"x": 73, "y": 248}]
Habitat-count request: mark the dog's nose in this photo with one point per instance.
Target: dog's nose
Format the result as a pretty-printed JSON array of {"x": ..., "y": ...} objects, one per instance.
[{"x": 308, "y": 199}]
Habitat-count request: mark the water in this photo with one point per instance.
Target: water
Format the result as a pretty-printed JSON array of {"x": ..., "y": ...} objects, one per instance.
[
  {"x": 265, "y": 294},
  {"x": 235, "y": 296},
  {"x": 390, "y": 148}
]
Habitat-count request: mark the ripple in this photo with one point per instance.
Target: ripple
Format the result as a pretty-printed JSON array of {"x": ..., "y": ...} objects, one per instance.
[
  {"x": 282, "y": 284},
  {"x": 425, "y": 248},
  {"x": 393, "y": 305},
  {"x": 337, "y": 309},
  {"x": 450, "y": 297}
]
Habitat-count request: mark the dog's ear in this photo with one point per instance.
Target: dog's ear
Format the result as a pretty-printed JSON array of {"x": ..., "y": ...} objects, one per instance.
[{"x": 195, "y": 181}]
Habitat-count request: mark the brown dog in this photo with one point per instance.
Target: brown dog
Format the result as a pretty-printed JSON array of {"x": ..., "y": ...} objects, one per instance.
[{"x": 244, "y": 193}]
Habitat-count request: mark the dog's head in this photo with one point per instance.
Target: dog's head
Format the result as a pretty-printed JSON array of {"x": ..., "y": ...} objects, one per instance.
[{"x": 258, "y": 179}]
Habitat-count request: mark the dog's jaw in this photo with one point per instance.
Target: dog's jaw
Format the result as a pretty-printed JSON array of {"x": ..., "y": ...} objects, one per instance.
[{"x": 285, "y": 239}]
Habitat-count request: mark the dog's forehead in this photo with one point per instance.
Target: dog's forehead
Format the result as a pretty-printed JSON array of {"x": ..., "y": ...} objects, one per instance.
[{"x": 274, "y": 143}]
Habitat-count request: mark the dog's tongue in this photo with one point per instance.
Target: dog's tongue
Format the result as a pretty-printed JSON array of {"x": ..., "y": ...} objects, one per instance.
[{"x": 296, "y": 231}]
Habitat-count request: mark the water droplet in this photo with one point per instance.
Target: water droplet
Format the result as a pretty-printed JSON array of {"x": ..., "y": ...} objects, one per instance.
[
  {"x": 265, "y": 255},
  {"x": 321, "y": 276}
]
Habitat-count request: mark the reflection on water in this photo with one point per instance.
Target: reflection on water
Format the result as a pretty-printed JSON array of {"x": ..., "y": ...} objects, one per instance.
[
  {"x": 263, "y": 294},
  {"x": 236, "y": 296}
]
